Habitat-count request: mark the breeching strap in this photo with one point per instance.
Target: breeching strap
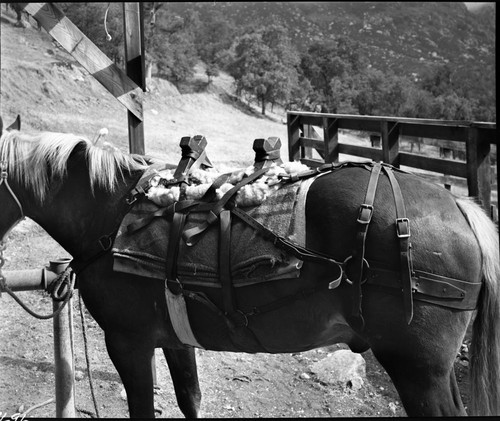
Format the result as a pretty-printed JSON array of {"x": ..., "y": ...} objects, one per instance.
[
  {"x": 358, "y": 254},
  {"x": 403, "y": 233}
]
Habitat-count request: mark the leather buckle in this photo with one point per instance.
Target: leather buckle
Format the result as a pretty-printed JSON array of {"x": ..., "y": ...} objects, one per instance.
[
  {"x": 365, "y": 214},
  {"x": 403, "y": 227}
]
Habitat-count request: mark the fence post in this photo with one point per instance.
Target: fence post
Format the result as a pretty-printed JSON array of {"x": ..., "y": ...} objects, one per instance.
[
  {"x": 293, "y": 123},
  {"x": 134, "y": 53},
  {"x": 307, "y": 151},
  {"x": 331, "y": 139},
  {"x": 63, "y": 353},
  {"x": 389, "y": 132},
  {"x": 478, "y": 166}
]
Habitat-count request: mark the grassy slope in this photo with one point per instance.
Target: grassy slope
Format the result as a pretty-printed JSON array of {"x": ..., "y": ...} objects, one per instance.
[{"x": 52, "y": 92}]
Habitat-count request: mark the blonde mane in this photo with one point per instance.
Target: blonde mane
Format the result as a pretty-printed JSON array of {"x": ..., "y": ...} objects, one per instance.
[{"x": 35, "y": 160}]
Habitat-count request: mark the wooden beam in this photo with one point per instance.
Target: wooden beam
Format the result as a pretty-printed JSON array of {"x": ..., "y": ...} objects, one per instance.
[
  {"x": 331, "y": 139},
  {"x": 438, "y": 165},
  {"x": 293, "y": 125},
  {"x": 390, "y": 142},
  {"x": 478, "y": 167},
  {"x": 134, "y": 57},
  {"x": 66, "y": 33}
]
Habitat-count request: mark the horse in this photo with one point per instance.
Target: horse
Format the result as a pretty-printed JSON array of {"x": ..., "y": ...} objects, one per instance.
[{"x": 78, "y": 191}]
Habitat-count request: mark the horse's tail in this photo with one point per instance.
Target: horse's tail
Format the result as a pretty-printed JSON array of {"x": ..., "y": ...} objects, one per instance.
[{"x": 485, "y": 346}]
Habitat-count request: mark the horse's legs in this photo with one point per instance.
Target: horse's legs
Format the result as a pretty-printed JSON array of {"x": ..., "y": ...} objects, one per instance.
[
  {"x": 420, "y": 357},
  {"x": 132, "y": 359},
  {"x": 182, "y": 365},
  {"x": 425, "y": 389}
]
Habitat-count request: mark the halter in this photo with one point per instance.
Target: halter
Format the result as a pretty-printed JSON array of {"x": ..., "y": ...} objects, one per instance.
[{"x": 4, "y": 181}]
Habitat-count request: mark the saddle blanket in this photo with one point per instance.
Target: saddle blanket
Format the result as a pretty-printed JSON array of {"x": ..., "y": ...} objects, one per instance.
[{"x": 253, "y": 259}]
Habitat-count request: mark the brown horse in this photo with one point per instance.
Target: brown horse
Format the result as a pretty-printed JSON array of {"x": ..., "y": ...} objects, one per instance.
[{"x": 76, "y": 191}]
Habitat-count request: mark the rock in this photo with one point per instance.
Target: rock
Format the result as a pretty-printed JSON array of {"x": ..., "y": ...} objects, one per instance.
[
  {"x": 305, "y": 376},
  {"x": 79, "y": 375},
  {"x": 392, "y": 407},
  {"x": 342, "y": 367},
  {"x": 123, "y": 394}
]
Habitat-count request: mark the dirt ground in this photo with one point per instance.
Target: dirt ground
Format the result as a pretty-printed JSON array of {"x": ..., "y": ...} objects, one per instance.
[{"x": 234, "y": 385}]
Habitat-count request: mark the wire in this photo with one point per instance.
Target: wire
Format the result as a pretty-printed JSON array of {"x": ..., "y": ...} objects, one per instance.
[{"x": 108, "y": 36}]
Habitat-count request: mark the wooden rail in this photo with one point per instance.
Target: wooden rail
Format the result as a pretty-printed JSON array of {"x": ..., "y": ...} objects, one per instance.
[{"x": 476, "y": 136}]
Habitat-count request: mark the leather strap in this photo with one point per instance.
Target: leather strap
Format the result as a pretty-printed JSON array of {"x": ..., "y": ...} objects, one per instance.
[
  {"x": 358, "y": 254},
  {"x": 225, "y": 262},
  {"x": 178, "y": 221},
  {"x": 403, "y": 233},
  {"x": 191, "y": 235},
  {"x": 298, "y": 251},
  {"x": 209, "y": 195},
  {"x": 165, "y": 212}
]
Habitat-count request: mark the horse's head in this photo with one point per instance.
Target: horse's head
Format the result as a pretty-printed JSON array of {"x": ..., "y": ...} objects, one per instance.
[{"x": 59, "y": 180}]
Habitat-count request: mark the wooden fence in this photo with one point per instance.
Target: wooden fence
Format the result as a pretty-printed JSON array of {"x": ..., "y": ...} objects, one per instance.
[{"x": 473, "y": 139}]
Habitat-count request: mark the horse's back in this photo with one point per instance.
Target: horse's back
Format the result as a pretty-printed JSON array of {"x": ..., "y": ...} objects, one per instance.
[{"x": 441, "y": 239}]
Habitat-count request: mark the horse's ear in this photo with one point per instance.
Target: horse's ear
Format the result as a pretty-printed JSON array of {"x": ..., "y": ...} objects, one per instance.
[{"x": 16, "y": 125}]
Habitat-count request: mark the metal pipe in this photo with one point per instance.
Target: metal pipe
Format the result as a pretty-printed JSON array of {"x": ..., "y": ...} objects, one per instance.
[
  {"x": 34, "y": 279},
  {"x": 25, "y": 280}
]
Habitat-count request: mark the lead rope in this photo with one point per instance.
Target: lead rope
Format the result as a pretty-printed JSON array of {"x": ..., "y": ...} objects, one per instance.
[{"x": 87, "y": 359}]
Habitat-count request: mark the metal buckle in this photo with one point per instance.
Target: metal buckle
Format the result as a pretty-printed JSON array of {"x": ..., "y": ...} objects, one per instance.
[
  {"x": 403, "y": 227},
  {"x": 176, "y": 284},
  {"x": 362, "y": 217},
  {"x": 131, "y": 200}
]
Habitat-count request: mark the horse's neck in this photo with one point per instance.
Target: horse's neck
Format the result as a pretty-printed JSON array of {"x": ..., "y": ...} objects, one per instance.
[{"x": 76, "y": 218}]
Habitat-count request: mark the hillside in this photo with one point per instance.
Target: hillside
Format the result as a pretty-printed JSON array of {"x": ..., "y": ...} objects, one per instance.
[
  {"x": 405, "y": 37},
  {"x": 52, "y": 92}
]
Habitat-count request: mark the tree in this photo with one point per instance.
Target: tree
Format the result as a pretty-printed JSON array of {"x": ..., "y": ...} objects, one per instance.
[
  {"x": 90, "y": 19},
  {"x": 213, "y": 36},
  {"x": 419, "y": 104},
  {"x": 330, "y": 67},
  {"x": 264, "y": 65},
  {"x": 170, "y": 43}
]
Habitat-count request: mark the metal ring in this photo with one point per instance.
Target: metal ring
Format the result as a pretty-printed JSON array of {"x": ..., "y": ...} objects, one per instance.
[{"x": 366, "y": 266}]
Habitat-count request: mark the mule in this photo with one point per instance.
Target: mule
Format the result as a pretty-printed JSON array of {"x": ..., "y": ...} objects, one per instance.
[{"x": 76, "y": 191}]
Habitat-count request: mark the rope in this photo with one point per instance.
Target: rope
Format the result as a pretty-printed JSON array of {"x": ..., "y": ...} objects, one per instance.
[
  {"x": 23, "y": 414},
  {"x": 66, "y": 277},
  {"x": 89, "y": 372}
]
